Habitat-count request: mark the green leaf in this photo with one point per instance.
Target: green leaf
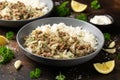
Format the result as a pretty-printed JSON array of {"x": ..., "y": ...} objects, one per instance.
[
  {"x": 107, "y": 36},
  {"x": 82, "y": 16},
  {"x": 10, "y": 35},
  {"x": 32, "y": 75},
  {"x": 60, "y": 77},
  {"x": 6, "y": 54},
  {"x": 35, "y": 73},
  {"x": 62, "y": 10},
  {"x": 95, "y": 4}
]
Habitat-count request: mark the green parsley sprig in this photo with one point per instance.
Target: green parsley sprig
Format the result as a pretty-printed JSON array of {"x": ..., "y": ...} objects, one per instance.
[
  {"x": 62, "y": 9},
  {"x": 82, "y": 16},
  {"x": 60, "y": 77},
  {"x": 35, "y": 73},
  {"x": 6, "y": 54},
  {"x": 10, "y": 35},
  {"x": 107, "y": 36},
  {"x": 95, "y": 4}
]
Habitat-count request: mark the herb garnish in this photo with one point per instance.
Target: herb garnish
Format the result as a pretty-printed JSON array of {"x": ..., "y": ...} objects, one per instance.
[
  {"x": 107, "y": 36},
  {"x": 82, "y": 16},
  {"x": 6, "y": 54},
  {"x": 35, "y": 73},
  {"x": 62, "y": 10},
  {"x": 95, "y": 4},
  {"x": 10, "y": 35},
  {"x": 60, "y": 77}
]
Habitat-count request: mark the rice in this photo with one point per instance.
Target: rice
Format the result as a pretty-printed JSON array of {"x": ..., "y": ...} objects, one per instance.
[
  {"x": 22, "y": 9},
  {"x": 32, "y": 3},
  {"x": 60, "y": 41}
]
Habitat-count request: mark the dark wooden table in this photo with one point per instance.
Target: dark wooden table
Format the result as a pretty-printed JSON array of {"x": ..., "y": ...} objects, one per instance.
[{"x": 84, "y": 71}]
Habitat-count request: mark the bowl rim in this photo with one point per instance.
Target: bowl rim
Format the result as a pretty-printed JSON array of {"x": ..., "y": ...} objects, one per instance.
[
  {"x": 76, "y": 58},
  {"x": 50, "y": 9}
]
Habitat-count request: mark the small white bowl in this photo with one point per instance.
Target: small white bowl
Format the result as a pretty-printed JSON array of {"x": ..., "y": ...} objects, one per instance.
[{"x": 101, "y": 20}]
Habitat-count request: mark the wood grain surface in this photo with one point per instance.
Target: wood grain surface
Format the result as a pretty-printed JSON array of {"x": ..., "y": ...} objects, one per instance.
[{"x": 84, "y": 71}]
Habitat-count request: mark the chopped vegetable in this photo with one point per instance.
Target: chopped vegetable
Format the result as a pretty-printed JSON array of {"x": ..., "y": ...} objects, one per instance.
[
  {"x": 6, "y": 54},
  {"x": 62, "y": 10},
  {"x": 107, "y": 36},
  {"x": 10, "y": 35},
  {"x": 82, "y": 16},
  {"x": 35, "y": 73},
  {"x": 95, "y": 4},
  {"x": 60, "y": 77}
]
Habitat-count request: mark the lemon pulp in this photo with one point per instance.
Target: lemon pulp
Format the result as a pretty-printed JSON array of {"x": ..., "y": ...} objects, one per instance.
[
  {"x": 105, "y": 67},
  {"x": 77, "y": 6},
  {"x": 3, "y": 40}
]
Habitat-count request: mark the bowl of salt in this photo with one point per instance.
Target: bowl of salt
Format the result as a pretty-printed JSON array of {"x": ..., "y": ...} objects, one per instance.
[{"x": 101, "y": 21}]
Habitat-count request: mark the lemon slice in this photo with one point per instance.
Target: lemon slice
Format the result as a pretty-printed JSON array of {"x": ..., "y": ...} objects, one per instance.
[
  {"x": 3, "y": 40},
  {"x": 77, "y": 6},
  {"x": 105, "y": 67}
]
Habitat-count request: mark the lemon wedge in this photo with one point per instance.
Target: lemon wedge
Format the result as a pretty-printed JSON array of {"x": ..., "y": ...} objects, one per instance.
[
  {"x": 3, "y": 40},
  {"x": 105, "y": 67},
  {"x": 77, "y": 6}
]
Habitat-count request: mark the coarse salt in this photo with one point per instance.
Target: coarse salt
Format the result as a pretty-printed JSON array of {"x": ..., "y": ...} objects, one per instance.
[{"x": 101, "y": 20}]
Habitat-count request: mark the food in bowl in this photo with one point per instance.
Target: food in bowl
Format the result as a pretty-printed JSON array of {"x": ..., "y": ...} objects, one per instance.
[
  {"x": 27, "y": 29},
  {"x": 60, "y": 41},
  {"x": 22, "y": 9}
]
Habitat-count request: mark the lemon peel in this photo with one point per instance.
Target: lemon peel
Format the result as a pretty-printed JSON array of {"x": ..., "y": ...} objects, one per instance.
[
  {"x": 77, "y": 6},
  {"x": 105, "y": 67},
  {"x": 3, "y": 40}
]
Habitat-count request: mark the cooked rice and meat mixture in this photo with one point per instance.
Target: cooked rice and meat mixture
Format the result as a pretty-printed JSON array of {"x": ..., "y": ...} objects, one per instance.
[
  {"x": 60, "y": 41},
  {"x": 22, "y": 9}
]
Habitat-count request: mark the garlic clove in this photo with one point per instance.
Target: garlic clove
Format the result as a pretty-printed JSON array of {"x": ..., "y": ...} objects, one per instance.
[
  {"x": 112, "y": 51},
  {"x": 17, "y": 64},
  {"x": 112, "y": 44}
]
